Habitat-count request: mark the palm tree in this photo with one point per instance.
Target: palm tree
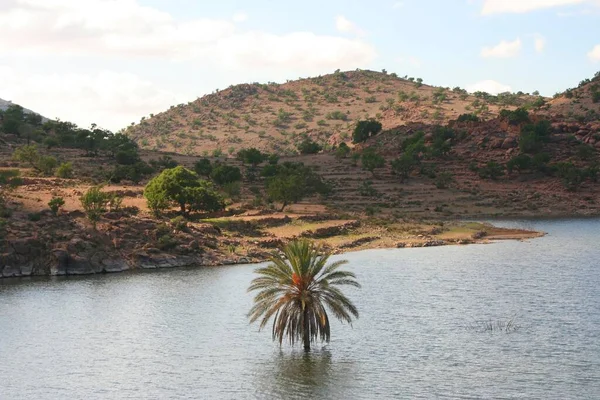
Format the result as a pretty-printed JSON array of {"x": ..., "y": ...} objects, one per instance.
[{"x": 295, "y": 288}]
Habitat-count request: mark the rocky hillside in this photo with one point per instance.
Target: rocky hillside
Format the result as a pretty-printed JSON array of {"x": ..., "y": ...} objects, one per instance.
[
  {"x": 276, "y": 117},
  {"x": 579, "y": 104}
]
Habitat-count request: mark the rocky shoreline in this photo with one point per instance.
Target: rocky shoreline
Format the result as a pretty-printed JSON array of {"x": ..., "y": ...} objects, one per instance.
[{"x": 64, "y": 245}]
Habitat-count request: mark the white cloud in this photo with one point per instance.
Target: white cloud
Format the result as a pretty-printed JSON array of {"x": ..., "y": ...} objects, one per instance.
[
  {"x": 540, "y": 43},
  {"x": 397, "y": 5},
  {"x": 93, "y": 32},
  {"x": 110, "y": 99},
  {"x": 504, "y": 49},
  {"x": 344, "y": 25},
  {"x": 523, "y": 6},
  {"x": 594, "y": 54},
  {"x": 489, "y": 86},
  {"x": 240, "y": 17},
  {"x": 125, "y": 29}
]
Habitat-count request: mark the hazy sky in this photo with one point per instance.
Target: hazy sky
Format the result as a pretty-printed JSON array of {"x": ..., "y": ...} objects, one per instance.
[{"x": 111, "y": 62}]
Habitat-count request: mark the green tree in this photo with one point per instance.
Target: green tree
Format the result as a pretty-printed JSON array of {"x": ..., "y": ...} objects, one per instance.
[
  {"x": 365, "y": 129},
  {"x": 12, "y": 119},
  {"x": 182, "y": 187},
  {"x": 371, "y": 160},
  {"x": 286, "y": 189},
  {"x": 224, "y": 174},
  {"x": 296, "y": 289},
  {"x": 291, "y": 182},
  {"x": 403, "y": 165},
  {"x": 203, "y": 167},
  {"x": 29, "y": 154},
  {"x": 251, "y": 156}
]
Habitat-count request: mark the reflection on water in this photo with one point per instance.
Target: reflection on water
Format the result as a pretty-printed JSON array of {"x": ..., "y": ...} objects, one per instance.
[{"x": 183, "y": 334}]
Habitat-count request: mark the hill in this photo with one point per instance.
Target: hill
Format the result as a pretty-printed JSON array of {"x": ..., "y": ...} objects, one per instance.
[
  {"x": 5, "y": 104},
  {"x": 580, "y": 104},
  {"x": 276, "y": 117},
  {"x": 506, "y": 156}
]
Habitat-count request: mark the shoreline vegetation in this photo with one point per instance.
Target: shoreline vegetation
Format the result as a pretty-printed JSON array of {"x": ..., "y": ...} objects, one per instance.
[{"x": 242, "y": 239}]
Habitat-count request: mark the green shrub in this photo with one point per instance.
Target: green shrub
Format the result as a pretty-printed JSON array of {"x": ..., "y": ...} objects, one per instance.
[
  {"x": 162, "y": 163},
  {"x": 307, "y": 146},
  {"x": 468, "y": 118},
  {"x": 203, "y": 167},
  {"x": 571, "y": 176},
  {"x": 233, "y": 190},
  {"x": 10, "y": 177},
  {"x": 55, "y": 204},
  {"x": 134, "y": 173},
  {"x": 115, "y": 202},
  {"x": 443, "y": 180},
  {"x": 367, "y": 189},
  {"x": 47, "y": 164},
  {"x": 223, "y": 174},
  {"x": 34, "y": 217},
  {"x": 179, "y": 224},
  {"x": 166, "y": 242},
  {"x": 94, "y": 202},
  {"x": 337, "y": 115},
  {"x": 533, "y": 136},
  {"x": 492, "y": 170},
  {"x": 516, "y": 117},
  {"x": 520, "y": 163},
  {"x": 342, "y": 151},
  {"x": 65, "y": 170},
  {"x": 585, "y": 151},
  {"x": 251, "y": 156},
  {"x": 127, "y": 157}
]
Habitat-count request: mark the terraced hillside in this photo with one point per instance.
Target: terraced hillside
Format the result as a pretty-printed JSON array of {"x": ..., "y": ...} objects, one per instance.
[{"x": 276, "y": 117}]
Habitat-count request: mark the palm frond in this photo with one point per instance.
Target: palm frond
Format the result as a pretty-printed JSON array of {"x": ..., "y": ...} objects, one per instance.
[{"x": 295, "y": 290}]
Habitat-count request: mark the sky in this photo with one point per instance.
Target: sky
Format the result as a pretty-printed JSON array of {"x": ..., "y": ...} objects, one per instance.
[{"x": 111, "y": 62}]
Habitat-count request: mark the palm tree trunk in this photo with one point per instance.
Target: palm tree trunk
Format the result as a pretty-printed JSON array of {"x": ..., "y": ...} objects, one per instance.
[{"x": 306, "y": 331}]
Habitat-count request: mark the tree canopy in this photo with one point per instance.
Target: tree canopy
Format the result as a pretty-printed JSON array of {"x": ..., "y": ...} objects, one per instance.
[
  {"x": 365, "y": 129},
  {"x": 182, "y": 187}
]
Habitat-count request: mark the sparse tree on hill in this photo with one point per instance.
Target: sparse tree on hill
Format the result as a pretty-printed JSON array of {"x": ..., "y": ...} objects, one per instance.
[
  {"x": 371, "y": 160},
  {"x": 365, "y": 129}
]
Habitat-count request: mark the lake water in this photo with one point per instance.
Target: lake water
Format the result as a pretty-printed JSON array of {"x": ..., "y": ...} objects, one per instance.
[{"x": 183, "y": 334}]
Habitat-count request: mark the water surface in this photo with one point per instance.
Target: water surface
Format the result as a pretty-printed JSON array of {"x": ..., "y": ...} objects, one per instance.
[{"x": 183, "y": 334}]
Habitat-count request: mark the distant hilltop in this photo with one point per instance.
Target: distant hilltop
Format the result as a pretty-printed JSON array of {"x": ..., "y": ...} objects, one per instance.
[{"x": 4, "y": 104}]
